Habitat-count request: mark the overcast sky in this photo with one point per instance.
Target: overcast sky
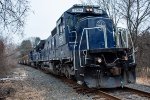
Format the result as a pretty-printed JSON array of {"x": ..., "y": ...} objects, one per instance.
[
  {"x": 45, "y": 13},
  {"x": 43, "y": 16}
]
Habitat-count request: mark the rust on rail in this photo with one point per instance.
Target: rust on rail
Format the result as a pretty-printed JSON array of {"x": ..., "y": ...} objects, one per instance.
[{"x": 106, "y": 95}]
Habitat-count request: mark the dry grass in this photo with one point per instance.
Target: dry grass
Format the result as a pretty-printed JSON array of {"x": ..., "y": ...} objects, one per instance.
[
  {"x": 143, "y": 75},
  {"x": 143, "y": 80},
  {"x": 22, "y": 91}
]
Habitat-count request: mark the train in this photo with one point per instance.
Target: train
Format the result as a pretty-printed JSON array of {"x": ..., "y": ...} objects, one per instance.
[{"x": 86, "y": 45}]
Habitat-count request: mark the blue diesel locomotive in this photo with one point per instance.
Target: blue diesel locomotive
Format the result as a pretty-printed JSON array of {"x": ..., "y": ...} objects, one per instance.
[{"x": 86, "y": 45}]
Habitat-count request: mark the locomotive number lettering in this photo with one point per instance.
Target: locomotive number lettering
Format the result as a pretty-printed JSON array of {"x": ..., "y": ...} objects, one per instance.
[
  {"x": 98, "y": 11},
  {"x": 77, "y": 10}
]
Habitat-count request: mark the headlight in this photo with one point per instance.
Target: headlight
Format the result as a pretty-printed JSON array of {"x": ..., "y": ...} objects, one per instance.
[
  {"x": 99, "y": 60},
  {"x": 91, "y": 10},
  {"x": 87, "y": 9}
]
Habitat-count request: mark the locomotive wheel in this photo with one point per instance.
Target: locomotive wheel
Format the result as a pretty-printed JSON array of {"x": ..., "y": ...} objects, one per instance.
[
  {"x": 42, "y": 67},
  {"x": 67, "y": 74},
  {"x": 61, "y": 72},
  {"x": 58, "y": 70}
]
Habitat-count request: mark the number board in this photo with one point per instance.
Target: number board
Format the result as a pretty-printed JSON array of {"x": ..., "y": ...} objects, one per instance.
[
  {"x": 98, "y": 11},
  {"x": 77, "y": 10}
]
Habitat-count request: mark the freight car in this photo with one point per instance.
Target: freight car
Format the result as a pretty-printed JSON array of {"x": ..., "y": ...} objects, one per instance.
[{"x": 86, "y": 45}]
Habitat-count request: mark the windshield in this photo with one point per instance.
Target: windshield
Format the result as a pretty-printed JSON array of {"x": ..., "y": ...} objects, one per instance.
[
  {"x": 81, "y": 16},
  {"x": 73, "y": 19}
]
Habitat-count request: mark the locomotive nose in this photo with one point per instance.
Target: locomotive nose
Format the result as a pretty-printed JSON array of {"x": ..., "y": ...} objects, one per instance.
[{"x": 96, "y": 33}]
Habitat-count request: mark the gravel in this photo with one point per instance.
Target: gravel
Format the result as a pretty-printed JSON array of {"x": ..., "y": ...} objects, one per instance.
[
  {"x": 140, "y": 87},
  {"x": 126, "y": 95},
  {"x": 51, "y": 87},
  {"x": 34, "y": 84}
]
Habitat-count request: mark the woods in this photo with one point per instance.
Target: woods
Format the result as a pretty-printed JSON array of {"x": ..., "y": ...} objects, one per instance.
[
  {"x": 28, "y": 45},
  {"x": 12, "y": 16},
  {"x": 12, "y": 19}
]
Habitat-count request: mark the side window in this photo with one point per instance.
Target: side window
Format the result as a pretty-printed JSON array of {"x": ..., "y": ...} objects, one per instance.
[
  {"x": 70, "y": 21},
  {"x": 47, "y": 46},
  {"x": 61, "y": 26},
  {"x": 50, "y": 44},
  {"x": 53, "y": 43},
  {"x": 72, "y": 37},
  {"x": 47, "y": 49}
]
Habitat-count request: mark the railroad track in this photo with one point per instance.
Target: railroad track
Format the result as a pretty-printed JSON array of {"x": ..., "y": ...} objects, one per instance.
[
  {"x": 125, "y": 93},
  {"x": 95, "y": 93},
  {"x": 142, "y": 93}
]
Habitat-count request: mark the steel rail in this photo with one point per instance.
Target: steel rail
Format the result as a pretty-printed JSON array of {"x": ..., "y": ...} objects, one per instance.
[
  {"x": 98, "y": 94},
  {"x": 106, "y": 95},
  {"x": 139, "y": 92}
]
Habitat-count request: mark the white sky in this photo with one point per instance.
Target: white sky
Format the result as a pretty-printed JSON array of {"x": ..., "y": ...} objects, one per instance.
[{"x": 45, "y": 13}]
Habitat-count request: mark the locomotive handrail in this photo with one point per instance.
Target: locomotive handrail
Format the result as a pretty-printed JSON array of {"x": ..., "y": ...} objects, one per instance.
[
  {"x": 127, "y": 40},
  {"x": 74, "y": 49},
  {"x": 133, "y": 49},
  {"x": 119, "y": 35},
  {"x": 75, "y": 42},
  {"x": 85, "y": 29}
]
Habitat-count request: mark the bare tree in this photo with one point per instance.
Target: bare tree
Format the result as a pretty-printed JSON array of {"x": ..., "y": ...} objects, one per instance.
[
  {"x": 110, "y": 6},
  {"x": 34, "y": 41},
  {"x": 12, "y": 15},
  {"x": 12, "y": 18},
  {"x": 25, "y": 47},
  {"x": 2, "y": 47},
  {"x": 143, "y": 54},
  {"x": 137, "y": 15}
]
